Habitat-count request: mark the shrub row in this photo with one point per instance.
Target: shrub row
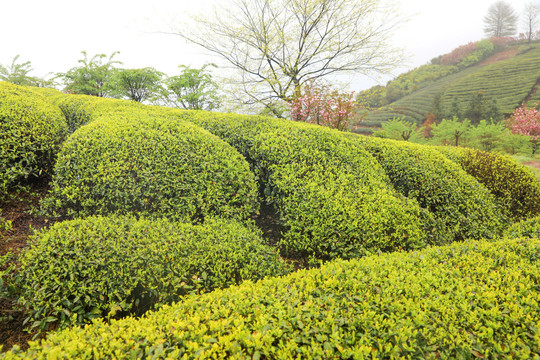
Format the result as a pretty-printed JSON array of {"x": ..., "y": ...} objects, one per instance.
[
  {"x": 515, "y": 187},
  {"x": 332, "y": 195},
  {"x": 129, "y": 162},
  {"x": 462, "y": 207},
  {"x": 462, "y": 301},
  {"x": 82, "y": 269},
  {"x": 31, "y": 130},
  {"x": 525, "y": 228}
]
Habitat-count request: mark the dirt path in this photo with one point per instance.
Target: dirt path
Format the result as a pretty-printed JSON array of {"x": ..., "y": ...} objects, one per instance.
[{"x": 535, "y": 164}]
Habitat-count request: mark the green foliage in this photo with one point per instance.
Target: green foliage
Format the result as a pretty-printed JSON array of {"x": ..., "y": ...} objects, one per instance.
[
  {"x": 484, "y": 48},
  {"x": 487, "y": 136},
  {"x": 137, "y": 84},
  {"x": 527, "y": 228},
  {"x": 399, "y": 129},
  {"x": 515, "y": 187},
  {"x": 462, "y": 208},
  {"x": 193, "y": 89},
  {"x": 92, "y": 77},
  {"x": 18, "y": 74},
  {"x": 509, "y": 81},
  {"x": 136, "y": 161},
  {"x": 450, "y": 132},
  {"x": 464, "y": 301},
  {"x": 82, "y": 269},
  {"x": 31, "y": 130},
  {"x": 332, "y": 196}
]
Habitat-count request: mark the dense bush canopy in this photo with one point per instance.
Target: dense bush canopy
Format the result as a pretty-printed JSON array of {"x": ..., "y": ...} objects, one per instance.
[
  {"x": 110, "y": 266},
  {"x": 129, "y": 162},
  {"x": 466, "y": 300},
  {"x": 31, "y": 130}
]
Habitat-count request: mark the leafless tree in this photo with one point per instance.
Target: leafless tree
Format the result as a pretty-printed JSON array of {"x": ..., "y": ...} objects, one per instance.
[
  {"x": 531, "y": 19},
  {"x": 500, "y": 20},
  {"x": 278, "y": 45}
]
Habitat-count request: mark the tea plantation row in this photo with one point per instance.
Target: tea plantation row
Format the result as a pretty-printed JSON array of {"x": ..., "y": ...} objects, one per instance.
[{"x": 161, "y": 202}]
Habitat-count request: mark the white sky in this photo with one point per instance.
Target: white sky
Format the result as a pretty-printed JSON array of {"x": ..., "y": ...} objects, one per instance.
[{"x": 52, "y": 33}]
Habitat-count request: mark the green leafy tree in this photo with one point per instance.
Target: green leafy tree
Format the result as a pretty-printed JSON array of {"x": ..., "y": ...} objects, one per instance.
[
  {"x": 477, "y": 108},
  {"x": 500, "y": 20},
  {"x": 487, "y": 136},
  {"x": 450, "y": 132},
  {"x": 193, "y": 89},
  {"x": 92, "y": 77},
  {"x": 18, "y": 73},
  {"x": 399, "y": 129},
  {"x": 137, "y": 84},
  {"x": 278, "y": 45}
]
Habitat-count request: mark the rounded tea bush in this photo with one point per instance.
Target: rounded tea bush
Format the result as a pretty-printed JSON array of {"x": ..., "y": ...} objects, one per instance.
[
  {"x": 151, "y": 166},
  {"x": 81, "y": 269},
  {"x": 476, "y": 299},
  {"x": 514, "y": 186},
  {"x": 528, "y": 228},
  {"x": 31, "y": 130}
]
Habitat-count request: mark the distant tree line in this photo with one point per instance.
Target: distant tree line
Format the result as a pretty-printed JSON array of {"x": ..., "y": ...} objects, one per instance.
[{"x": 100, "y": 75}]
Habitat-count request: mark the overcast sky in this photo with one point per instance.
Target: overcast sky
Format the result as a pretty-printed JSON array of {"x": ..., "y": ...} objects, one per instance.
[{"x": 51, "y": 34}]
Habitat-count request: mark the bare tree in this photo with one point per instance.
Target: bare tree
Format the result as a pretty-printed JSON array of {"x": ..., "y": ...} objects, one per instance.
[
  {"x": 531, "y": 20},
  {"x": 501, "y": 20},
  {"x": 278, "y": 45}
]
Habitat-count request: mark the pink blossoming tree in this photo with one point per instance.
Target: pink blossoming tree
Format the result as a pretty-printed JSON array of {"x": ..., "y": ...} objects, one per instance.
[
  {"x": 526, "y": 121},
  {"x": 321, "y": 105}
]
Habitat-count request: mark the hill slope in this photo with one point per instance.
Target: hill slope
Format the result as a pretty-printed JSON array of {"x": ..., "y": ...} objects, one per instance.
[{"x": 509, "y": 77}]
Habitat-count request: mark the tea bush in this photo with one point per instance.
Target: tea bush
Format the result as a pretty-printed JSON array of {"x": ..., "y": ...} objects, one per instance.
[
  {"x": 525, "y": 228},
  {"x": 463, "y": 208},
  {"x": 130, "y": 162},
  {"x": 467, "y": 300},
  {"x": 332, "y": 196},
  {"x": 31, "y": 131},
  {"x": 515, "y": 187},
  {"x": 82, "y": 269}
]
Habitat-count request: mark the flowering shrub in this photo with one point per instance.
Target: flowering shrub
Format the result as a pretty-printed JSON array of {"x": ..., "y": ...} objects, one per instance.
[
  {"x": 322, "y": 105},
  {"x": 526, "y": 121}
]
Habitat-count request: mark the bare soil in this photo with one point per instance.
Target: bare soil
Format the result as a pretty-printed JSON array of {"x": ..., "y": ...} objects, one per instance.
[
  {"x": 502, "y": 55},
  {"x": 535, "y": 163},
  {"x": 18, "y": 209}
]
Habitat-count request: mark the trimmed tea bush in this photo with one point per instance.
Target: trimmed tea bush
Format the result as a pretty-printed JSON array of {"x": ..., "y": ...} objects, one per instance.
[
  {"x": 82, "y": 269},
  {"x": 463, "y": 208},
  {"x": 331, "y": 194},
  {"x": 516, "y": 188},
  {"x": 31, "y": 130},
  {"x": 525, "y": 228},
  {"x": 462, "y": 301},
  {"x": 133, "y": 163}
]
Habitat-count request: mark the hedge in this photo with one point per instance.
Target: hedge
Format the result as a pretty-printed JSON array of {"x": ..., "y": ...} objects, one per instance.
[
  {"x": 515, "y": 187},
  {"x": 463, "y": 207},
  {"x": 332, "y": 195},
  {"x": 525, "y": 228},
  {"x": 132, "y": 163},
  {"x": 82, "y": 269},
  {"x": 467, "y": 300},
  {"x": 31, "y": 131}
]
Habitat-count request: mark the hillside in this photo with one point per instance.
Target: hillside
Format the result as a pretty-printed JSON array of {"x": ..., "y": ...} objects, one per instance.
[{"x": 504, "y": 79}]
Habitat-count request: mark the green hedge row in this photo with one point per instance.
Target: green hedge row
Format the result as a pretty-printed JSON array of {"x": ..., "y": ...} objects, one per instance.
[
  {"x": 525, "y": 228},
  {"x": 515, "y": 187},
  {"x": 332, "y": 195},
  {"x": 462, "y": 301},
  {"x": 129, "y": 162},
  {"x": 31, "y": 131},
  {"x": 82, "y": 269},
  {"x": 463, "y": 208}
]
